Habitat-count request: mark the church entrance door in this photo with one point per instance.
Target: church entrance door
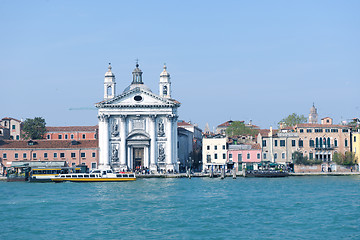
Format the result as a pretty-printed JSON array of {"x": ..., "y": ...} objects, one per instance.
[{"x": 138, "y": 157}]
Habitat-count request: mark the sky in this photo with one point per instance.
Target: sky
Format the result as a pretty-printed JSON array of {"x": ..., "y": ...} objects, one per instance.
[{"x": 228, "y": 60}]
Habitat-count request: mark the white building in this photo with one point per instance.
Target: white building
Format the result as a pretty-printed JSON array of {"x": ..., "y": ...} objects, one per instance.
[
  {"x": 214, "y": 152},
  {"x": 138, "y": 128}
]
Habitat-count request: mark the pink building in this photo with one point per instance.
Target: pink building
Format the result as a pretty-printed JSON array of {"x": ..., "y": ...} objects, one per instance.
[
  {"x": 244, "y": 153},
  {"x": 84, "y": 152},
  {"x": 72, "y": 133}
]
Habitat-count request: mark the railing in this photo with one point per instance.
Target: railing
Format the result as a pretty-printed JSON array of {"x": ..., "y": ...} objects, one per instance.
[{"x": 325, "y": 147}]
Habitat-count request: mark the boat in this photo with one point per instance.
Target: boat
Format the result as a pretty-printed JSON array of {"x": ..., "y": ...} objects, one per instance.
[
  {"x": 95, "y": 176},
  {"x": 266, "y": 173},
  {"x": 43, "y": 174}
]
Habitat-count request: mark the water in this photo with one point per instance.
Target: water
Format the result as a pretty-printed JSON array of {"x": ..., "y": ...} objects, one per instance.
[{"x": 197, "y": 208}]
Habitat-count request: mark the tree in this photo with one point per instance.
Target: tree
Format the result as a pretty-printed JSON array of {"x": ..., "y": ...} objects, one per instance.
[
  {"x": 348, "y": 158},
  {"x": 292, "y": 120},
  {"x": 238, "y": 128},
  {"x": 299, "y": 158},
  {"x": 34, "y": 128}
]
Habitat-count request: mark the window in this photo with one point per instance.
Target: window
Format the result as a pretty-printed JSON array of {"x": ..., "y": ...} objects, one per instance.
[
  {"x": 208, "y": 158},
  {"x": 282, "y": 143},
  {"x": 208, "y": 147},
  {"x": 354, "y": 138},
  {"x": 24, "y": 155},
  {"x": 73, "y": 164},
  {"x": 45, "y": 155},
  {"x": 275, "y": 156},
  {"x": 34, "y": 155},
  {"x": 59, "y": 136},
  {"x": 66, "y": 136},
  {"x": 224, "y": 155},
  {"x": 55, "y": 155},
  {"x": 346, "y": 142},
  {"x": 301, "y": 143},
  {"x": 93, "y": 165},
  {"x": 4, "y": 155},
  {"x": 293, "y": 143},
  {"x": 62, "y": 155},
  {"x": 283, "y": 155},
  {"x": 311, "y": 143},
  {"x": 215, "y": 147},
  {"x": 239, "y": 157},
  {"x": 83, "y": 155},
  {"x": 345, "y": 130},
  {"x": 264, "y": 143},
  {"x": 13, "y": 127},
  {"x": 335, "y": 143},
  {"x": 248, "y": 156},
  {"x": 72, "y": 136},
  {"x": 327, "y": 130},
  {"x": 215, "y": 156},
  {"x": 223, "y": 147},
  {"x": 17, "y": 137},
  {"x": 311, "y": 156},
  {"x": 83, "y": 136},
  {"x": 258, "y": 156},
  {"x": 73, "y": 155},
  {"x": 264, "y": 155},
  {"x": 301, "y": 130},
  {"x": 308, "y": 130},
  {"x": 275, "y": 143},
  {"x": 93, "y": 154},
  {"x": 16, "y": 155},
  {"x": 230, "y": 156},
  {"x": 95, "y": 136},
  {"x": 48, "y": 136}
]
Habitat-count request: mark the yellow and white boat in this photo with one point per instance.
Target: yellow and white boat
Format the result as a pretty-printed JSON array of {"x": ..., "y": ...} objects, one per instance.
[{"x": 95, "y": 176}]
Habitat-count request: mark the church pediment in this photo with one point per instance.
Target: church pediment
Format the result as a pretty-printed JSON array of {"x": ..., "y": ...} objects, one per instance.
[
  {"x": 138, "y": 135},
  {"x": 138, "y": 97}
]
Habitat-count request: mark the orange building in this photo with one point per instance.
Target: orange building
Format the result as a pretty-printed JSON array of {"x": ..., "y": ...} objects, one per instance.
[
  {"x": 72, "y": 133},
  {"x": 83, "y": 152}
]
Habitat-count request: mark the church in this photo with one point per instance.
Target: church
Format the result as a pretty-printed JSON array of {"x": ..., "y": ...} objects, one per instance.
[{"x": 138, "y": 128}]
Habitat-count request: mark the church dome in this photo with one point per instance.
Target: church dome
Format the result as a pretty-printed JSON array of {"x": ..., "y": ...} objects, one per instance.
[{"x": 135, "y": 85}]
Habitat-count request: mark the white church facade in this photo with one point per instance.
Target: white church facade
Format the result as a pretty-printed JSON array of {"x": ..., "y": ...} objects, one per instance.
[{"x": 138, "y": 128}]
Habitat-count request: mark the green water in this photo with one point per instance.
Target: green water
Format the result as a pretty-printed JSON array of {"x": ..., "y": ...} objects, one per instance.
[{"x": 197, "y": 208}]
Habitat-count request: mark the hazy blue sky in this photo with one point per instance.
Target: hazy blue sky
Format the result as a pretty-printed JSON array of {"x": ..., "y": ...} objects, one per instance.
[{"x": 258, "y": 60}]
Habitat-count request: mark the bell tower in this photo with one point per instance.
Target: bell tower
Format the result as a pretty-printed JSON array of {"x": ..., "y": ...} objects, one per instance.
[
  {"x": 109, "y": 84},
  {"x": 165, "y": 84}
]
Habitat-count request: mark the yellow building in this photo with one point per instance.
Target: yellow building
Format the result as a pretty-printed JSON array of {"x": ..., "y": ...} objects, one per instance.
[{"x": 355, "y": 143}]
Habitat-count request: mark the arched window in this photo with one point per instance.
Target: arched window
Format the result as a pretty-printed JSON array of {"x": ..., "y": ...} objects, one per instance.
[
  {"x": 311, "y": 143},
  {"x": 109, "y": 90},
  {"x": 320, "y": 142},
  {"x": 317, "y": 142},
  {"x": 328, "y": 142},
  {"x": 335, "y": 142},
  {"x": 165, "y": 90}
]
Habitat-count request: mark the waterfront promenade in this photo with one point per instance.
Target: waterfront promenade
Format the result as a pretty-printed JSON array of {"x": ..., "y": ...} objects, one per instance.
[{"x": 230, "y": 175}]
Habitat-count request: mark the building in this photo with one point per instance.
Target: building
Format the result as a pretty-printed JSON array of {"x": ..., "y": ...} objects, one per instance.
[
  {"x": 84, "y": 152},
  {"x": 72, "y": 133},
  {"x": 138, "y": 128},
  {"x": 355, "y": 143},
  {"x": 214, "y": 152},
  {"x": 221, "y": 129},
  {"x": 277, "y": 146},
  {"x": 321, "y": 141},
  {"x": 4, "y": 133},
  {"x": 243, "y": 155},
  {"x": 185, "y": 148},
  {"x": 11, "y": 128}
]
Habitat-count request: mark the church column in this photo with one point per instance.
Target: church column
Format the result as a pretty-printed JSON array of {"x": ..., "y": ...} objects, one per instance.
[
  {"x": 175, "y": 144},
  {"x": 123, "y": 142},
  {"x": 153, "y": 143},
  {"x": 169, "y": 149},
  {"x": 104, "y": 160}
]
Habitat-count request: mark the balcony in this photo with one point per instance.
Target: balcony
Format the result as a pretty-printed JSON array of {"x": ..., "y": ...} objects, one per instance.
[{"x": 325, "y": 147}]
